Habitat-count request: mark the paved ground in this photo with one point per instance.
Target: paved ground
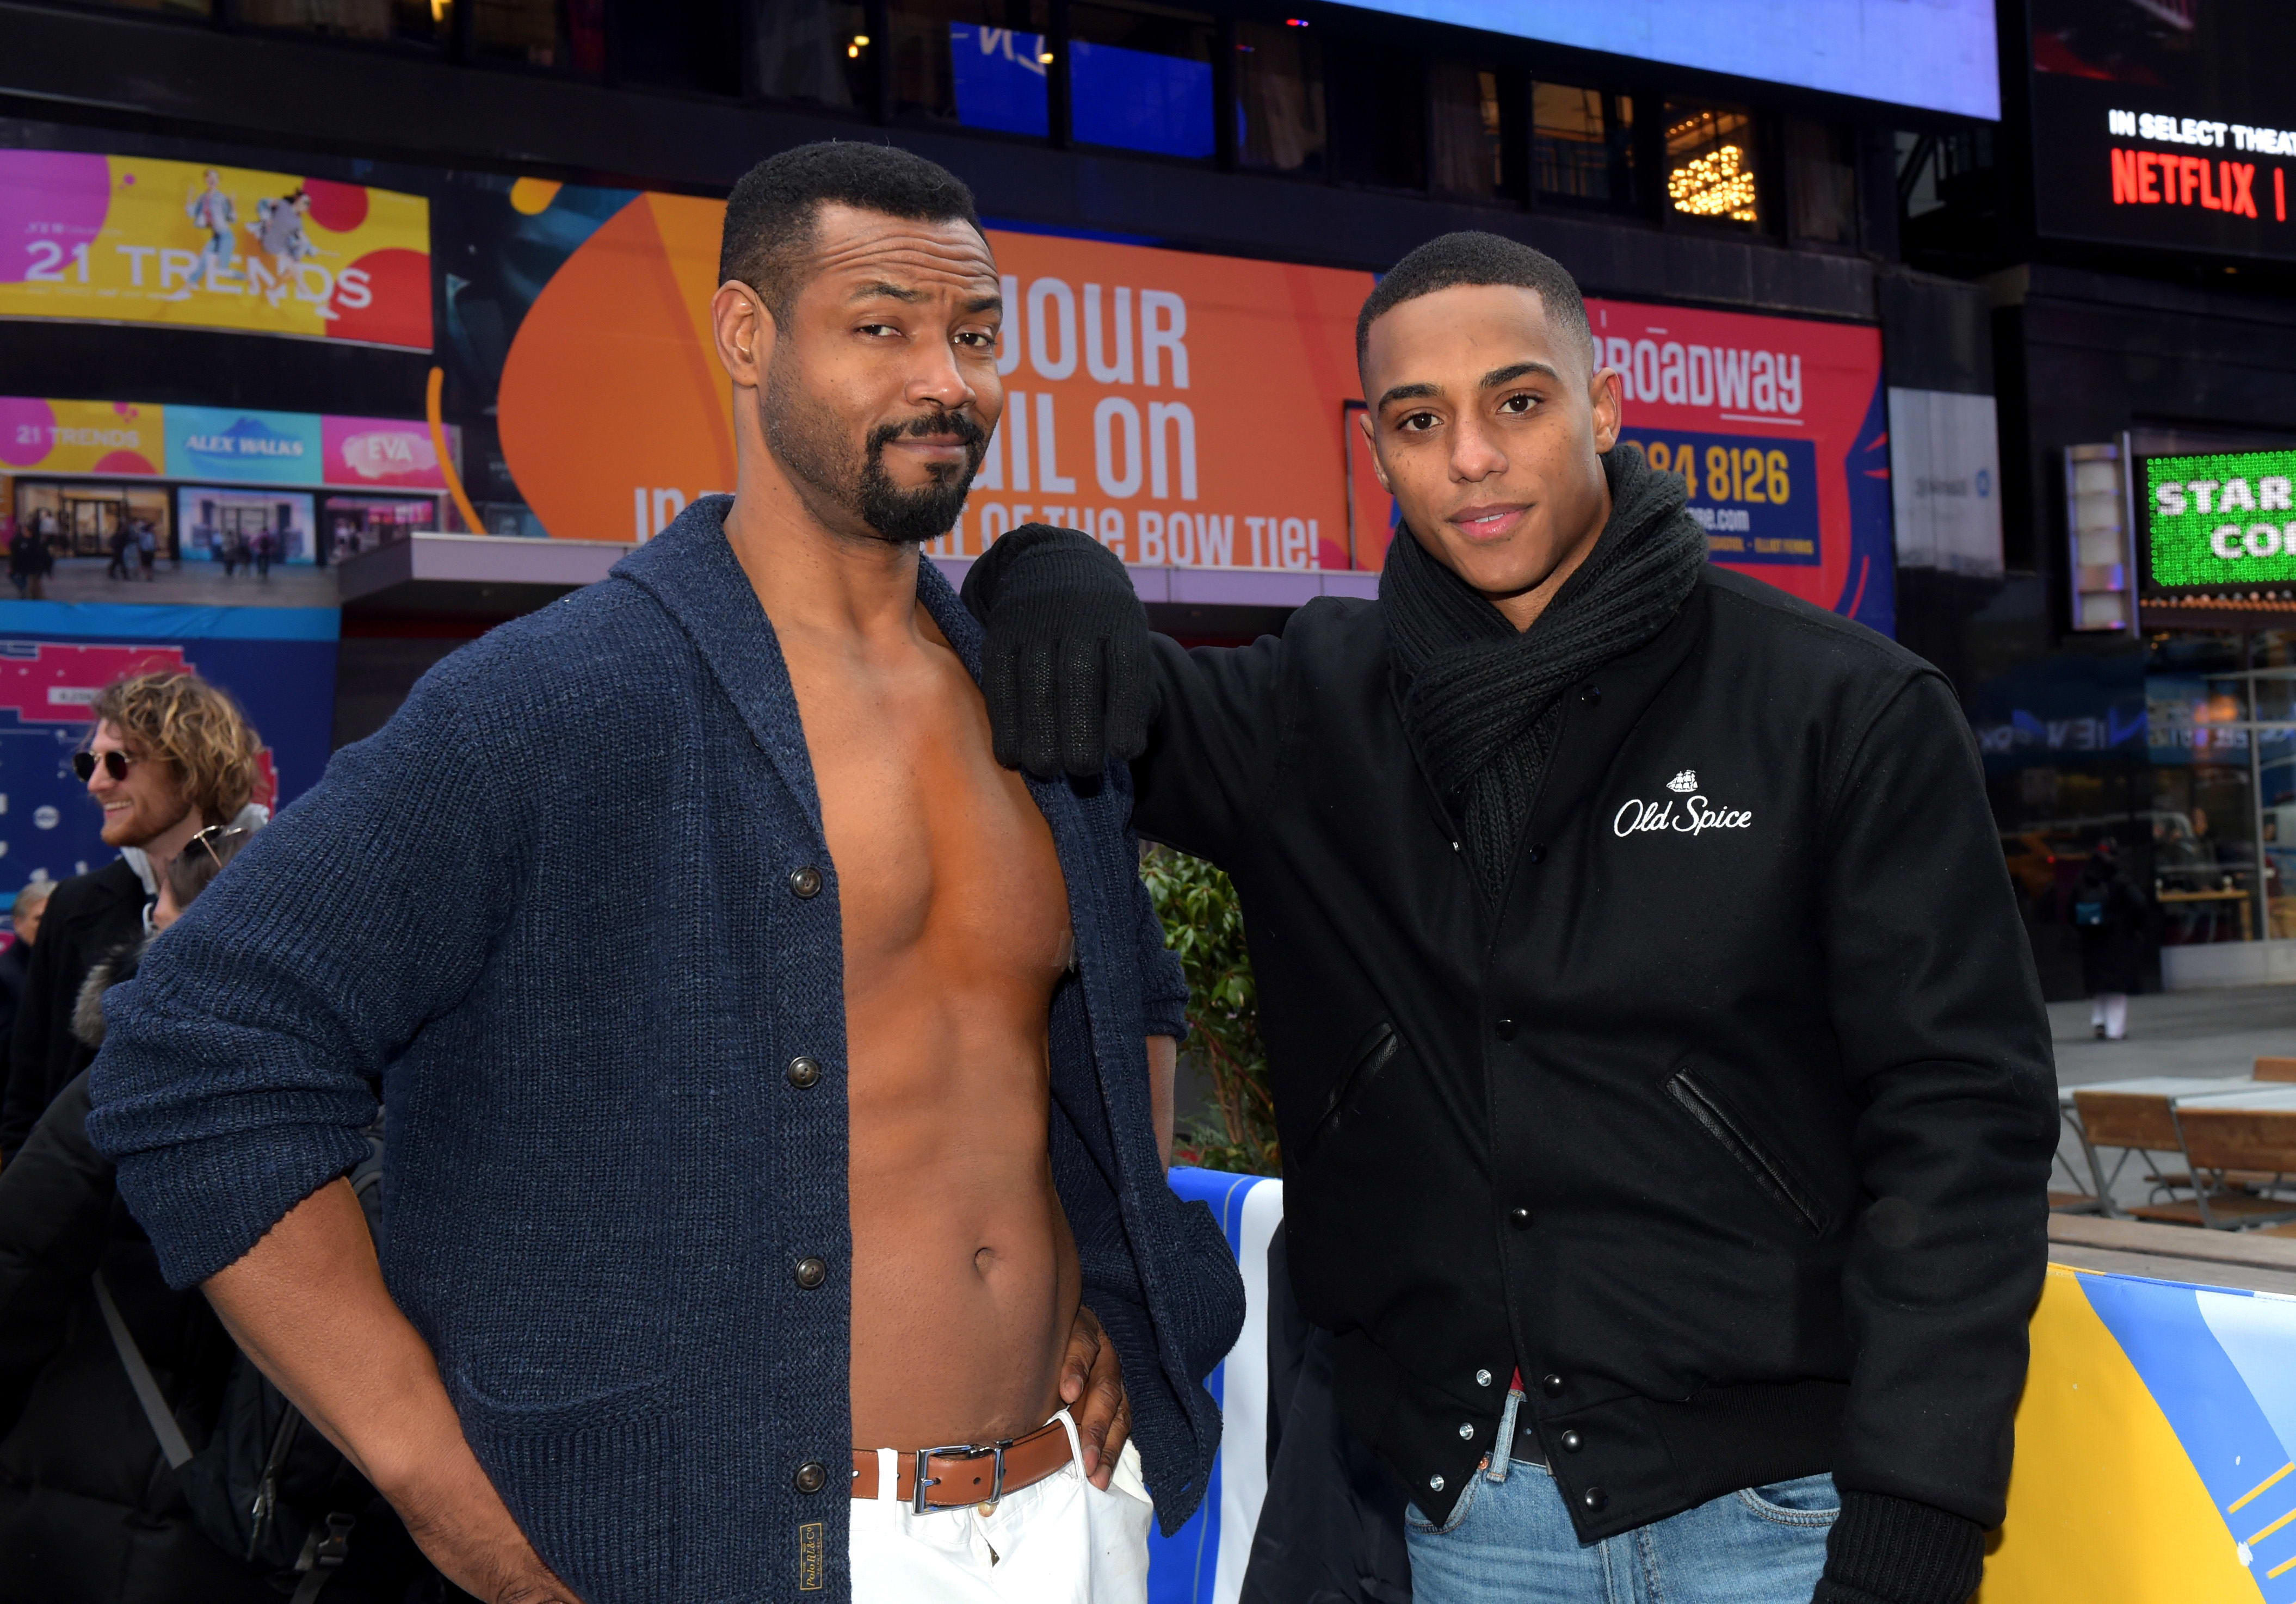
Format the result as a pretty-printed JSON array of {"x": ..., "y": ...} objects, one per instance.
[
  {"x": 2195, "y": 1033},
  {"x": 193, "y": 585}
]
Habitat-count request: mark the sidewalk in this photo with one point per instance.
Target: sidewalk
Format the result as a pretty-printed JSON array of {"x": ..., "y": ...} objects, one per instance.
[{"x": 2204, "y": 1033}]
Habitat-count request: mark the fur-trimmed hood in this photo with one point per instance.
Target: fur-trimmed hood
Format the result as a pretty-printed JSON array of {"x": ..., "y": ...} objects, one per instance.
[{"x": 87, "y": 1013}]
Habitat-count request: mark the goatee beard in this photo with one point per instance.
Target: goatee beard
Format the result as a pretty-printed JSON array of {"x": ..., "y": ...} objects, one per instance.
[{"x": 805, "y": 437}]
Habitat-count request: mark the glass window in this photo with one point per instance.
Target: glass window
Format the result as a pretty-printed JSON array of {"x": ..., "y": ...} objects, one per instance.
[
  {"x": 416, "y": 20},
  {"x": 695, "y": 45},
  {"x": 568, "y": 35},
  {"x": 981, "y": 64},
  {"x": 1379, "y": 113},
  {"x": 1709, "y": 163},
  {"x": 814, "y": 49},
  {"x": 1139, "y": 81},
  {"x": 1582, "y": 144},
  {"x": 1467, "y": 146},
  {"x": 1822, "y": 182},
  {"x": 1279, "y": 91}
]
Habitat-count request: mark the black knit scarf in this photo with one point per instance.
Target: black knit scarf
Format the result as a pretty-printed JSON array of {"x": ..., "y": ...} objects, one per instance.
[{"x": 1485, "y": 698}]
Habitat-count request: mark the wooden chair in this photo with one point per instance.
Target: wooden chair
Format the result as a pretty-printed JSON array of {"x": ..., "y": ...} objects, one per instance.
[
  {"x": 2230, "y": 1140},
  {"x": 2276, "y": 1068},
  {"x": 2148, "y": 1124}
]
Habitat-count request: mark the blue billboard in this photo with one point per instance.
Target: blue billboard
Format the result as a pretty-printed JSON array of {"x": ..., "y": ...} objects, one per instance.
[
  {"x": 244, "y": 447},
  {"x": 1937, "y": 54}
]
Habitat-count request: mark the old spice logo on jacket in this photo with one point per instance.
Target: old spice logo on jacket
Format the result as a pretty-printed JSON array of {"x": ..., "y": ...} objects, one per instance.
[{"x": 1688, "y": 812}]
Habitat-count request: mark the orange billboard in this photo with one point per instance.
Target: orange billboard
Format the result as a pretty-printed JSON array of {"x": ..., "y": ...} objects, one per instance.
[{"x": 1185, "y": 409}]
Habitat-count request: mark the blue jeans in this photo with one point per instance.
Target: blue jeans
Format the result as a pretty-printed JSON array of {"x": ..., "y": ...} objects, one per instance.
[{"x": 1509, "y": 1541}]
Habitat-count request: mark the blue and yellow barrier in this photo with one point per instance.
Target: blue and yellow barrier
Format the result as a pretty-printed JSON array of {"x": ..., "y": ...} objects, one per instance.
[{"x": 2156, "y": 1443}]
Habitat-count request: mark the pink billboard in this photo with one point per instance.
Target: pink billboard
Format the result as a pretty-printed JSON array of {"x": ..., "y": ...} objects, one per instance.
[{"x": 384, "y": 452}]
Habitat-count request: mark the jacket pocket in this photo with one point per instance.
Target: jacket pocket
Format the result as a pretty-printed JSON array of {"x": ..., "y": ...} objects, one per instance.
[
  {"x": 1373, "y": 1053},
  {"x": 1784, "y": 1188},
  {"x": 593, "y": 1482}
]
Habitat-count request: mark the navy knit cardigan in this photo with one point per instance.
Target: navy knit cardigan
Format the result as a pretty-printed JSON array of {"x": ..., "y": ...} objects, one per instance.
[{"x": 554, "y": 910}]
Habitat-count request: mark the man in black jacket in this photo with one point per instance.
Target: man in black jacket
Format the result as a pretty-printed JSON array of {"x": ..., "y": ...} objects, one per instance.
[{"x": 1649, "y": 1013}]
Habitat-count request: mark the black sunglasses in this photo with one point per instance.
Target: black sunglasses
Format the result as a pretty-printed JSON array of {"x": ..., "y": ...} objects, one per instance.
[{"x": 115, "y": 764}]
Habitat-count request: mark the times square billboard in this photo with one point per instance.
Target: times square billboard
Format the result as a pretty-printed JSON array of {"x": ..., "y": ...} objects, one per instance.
[{"x": 2165, "y": 124}]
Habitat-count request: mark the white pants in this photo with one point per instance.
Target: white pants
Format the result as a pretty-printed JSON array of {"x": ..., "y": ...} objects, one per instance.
[
  {"x": 2110, "y": 1009},
  {"x": 1060, "y": 1541}
]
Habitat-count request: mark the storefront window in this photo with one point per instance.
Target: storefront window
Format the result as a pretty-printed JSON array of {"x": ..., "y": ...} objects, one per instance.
[
  {"x": 1822, "y": 178},
  {"x": 1582, "y": 144},
  {"x": 979, "y": 63},
  {"x": 696, "y": 45},
  {"x": 1140, "y": 81},
  {"x": 818, "y": 51},
  {"x": 1279, "y": 86},
  {"x": 1709, "y": 163},
  {"x": 87, "y": 519},
  {"x": 1467, "y": 147},
  {"x": 414, "y": 19}
]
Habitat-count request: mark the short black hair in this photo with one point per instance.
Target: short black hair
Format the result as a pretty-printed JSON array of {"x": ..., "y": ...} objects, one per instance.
[
  {"x": 1472, "y": 257},
  {"x": 770, "y": 216}
]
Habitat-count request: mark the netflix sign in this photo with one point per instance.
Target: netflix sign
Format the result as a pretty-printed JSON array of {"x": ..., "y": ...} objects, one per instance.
[{"x": 2165, "y": 125}]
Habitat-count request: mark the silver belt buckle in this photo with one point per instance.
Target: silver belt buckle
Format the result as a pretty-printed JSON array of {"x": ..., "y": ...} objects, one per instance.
[{"x": 968, "y": 1450}]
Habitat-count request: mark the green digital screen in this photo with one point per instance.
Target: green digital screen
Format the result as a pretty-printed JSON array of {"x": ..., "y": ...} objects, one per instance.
[{"x": 2221, "y": 519}]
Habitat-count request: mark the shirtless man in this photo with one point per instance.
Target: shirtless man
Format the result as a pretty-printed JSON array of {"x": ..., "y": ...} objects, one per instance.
[{"x": 848, "y": 1156}]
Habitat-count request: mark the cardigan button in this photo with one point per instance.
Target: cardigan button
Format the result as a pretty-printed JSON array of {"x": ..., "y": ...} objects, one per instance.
[
  {"x": 804, "y": 1071},
  {"x": 811, "y": 1477},
  {"x": 811, "y": 1273},
  {"x": 805, "y": 881}
]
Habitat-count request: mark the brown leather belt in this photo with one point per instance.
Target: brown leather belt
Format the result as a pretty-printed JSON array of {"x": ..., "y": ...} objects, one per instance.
[{"x": 967, "y": 1473}]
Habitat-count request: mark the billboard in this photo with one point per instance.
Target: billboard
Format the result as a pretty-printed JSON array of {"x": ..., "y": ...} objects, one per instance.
[
  {"x": 246, "y": 447},
  {"x": 129, "y": 239},
  {"x": 40, "y": 435},
  {"x": 1184, "y": 408},
  {"x": 1779, "y": 428},
  {"x": 2219, "y": 519},
  {"x": 2165, "y": 125},
  {"x": 1938, "y": 55},
  {"x": 278, "y": 662}
]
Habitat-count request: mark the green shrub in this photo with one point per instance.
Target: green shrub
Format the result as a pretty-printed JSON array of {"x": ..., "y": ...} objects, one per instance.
[{"x": 1204, "y": 924}]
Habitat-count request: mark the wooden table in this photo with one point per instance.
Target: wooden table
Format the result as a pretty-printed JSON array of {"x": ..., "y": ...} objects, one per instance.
[
  {"x": 2147, "y": 1114},
  {"x": 2247, "y": 905}
]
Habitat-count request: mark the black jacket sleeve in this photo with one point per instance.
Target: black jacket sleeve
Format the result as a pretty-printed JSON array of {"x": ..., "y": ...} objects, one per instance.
[
  {"x": 1199, "y": 785},
  {"x": 1943, "y": 1038},
  {"x": 27, "y": 1090},
  {"x": 55, "y": 1199}
]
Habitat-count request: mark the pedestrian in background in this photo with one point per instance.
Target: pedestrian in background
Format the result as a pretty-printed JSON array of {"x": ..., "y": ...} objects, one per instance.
[
  {"x": 28, "y": 561},
  {"x": 2109, "y": 913},
  {"x": 169, "y": 756},
  {"x": 16, "y": 963},
  {"x": 147, "y": 549},
  {"x": 123, "y": 541}
]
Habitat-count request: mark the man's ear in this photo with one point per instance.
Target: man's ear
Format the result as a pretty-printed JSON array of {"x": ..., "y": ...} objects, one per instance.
[
  {"x": 745, "y": 332},
  {"x": 1605, "y": 401},
  {"x": 1371, "y": 439}
]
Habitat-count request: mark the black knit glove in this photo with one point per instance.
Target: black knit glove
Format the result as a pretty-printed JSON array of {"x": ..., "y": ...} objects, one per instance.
[
  {"x": 1894, "y": 1551},
  {"x": 1065, "y": 668}
]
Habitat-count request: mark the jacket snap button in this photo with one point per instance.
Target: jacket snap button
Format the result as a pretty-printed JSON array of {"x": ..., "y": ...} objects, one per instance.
[
  {"x": 1518, "y": 1218},
  {"x": 1552, "y": 1385},
  {"x": 1572, "y": 1442},
  {"x": 1434, "y": 1484},
  {"x": 1504, "y": 1028},
  {"x": 1482, "y": 1377},
  {"x": 805, "y": 881},
  {"x": 1592, "y": 695},
  {"x": 803, "y": 1071},
  {"x": 1466, "y": 1431},
  {"x": 811, "y": 1273},
  {"x": 1595, "y": 1498},
  {"x": 811, "y": 1477}
]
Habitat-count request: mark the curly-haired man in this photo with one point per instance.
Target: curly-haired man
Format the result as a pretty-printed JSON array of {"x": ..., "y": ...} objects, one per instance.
[{"x": 169, "y": 756}]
